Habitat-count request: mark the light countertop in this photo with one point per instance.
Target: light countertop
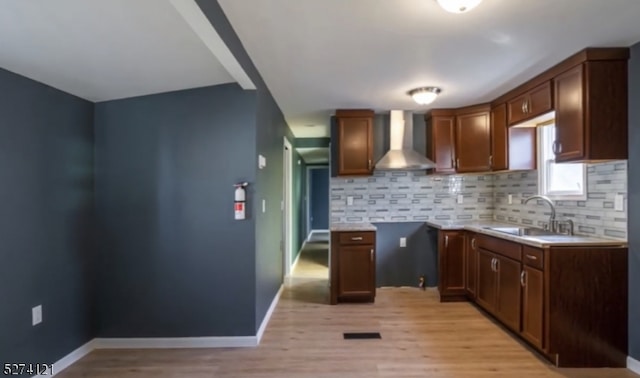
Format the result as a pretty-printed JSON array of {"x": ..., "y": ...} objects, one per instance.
[
  {"x": 352, "y": 227},
  {"x": 535, "y": 241}
]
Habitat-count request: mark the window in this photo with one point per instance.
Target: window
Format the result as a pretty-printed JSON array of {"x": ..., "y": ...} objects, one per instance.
[{"x": 558, "y": 181}]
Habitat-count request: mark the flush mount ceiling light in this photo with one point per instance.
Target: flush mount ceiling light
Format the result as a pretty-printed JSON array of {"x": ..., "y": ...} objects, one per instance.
[
  {"x": 425, "y": 95},
  {"x": 458, "y": 6}
]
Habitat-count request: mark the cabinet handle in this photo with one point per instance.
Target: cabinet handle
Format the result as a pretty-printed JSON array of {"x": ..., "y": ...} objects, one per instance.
[
  {"x": 453, "y": 163},
  {"x": 522, "y": 107},
  {"x": 446, "y": 241},
  {"x": 497, "y": 264},
  {"x": 493, "y": 264},
  {"x": 369, "y": 164},
  {"x": 473, "y": 243},
  {"x": 554, "y": 147},
  {"x": 371, "y": 254},
  {"x": 356, "y": 238},
  {"x": 457, "y": 163},
  {"x": 522, "y": 275},
  {"x": 490, "y": 161},
  {"x": 531, "y": 257},
  {"x": 526, "y": 106},
  {"x": 559, "y": 147}
]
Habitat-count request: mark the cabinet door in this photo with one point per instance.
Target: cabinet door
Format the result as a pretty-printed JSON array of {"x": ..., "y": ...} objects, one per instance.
[
  {"x": 532, "y": 306},
  {"x": 451, "y": 261},
  {"x": 516, "y": 109},
  {"x": 473, "y": 142},
  {"x": 540, "y": 100},
  {"x": 499, "y": 144},
  {"x": 569, "y": 106},
  {"x": 509, "y": 292},
  {"x": 355, "y": 146},
  {"x": 442, "y": 141},
  {"x": 356, "y": 271},
  {"x": 471, "y": 265},
  {"x": 486, "y": 289}
]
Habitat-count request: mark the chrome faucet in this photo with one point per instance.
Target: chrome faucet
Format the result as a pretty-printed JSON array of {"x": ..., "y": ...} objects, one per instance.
[{"x": 552, "y": 218}]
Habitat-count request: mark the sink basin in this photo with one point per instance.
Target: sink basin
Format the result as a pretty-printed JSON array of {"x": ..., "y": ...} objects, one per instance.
[{"x": 523, "y": 231}]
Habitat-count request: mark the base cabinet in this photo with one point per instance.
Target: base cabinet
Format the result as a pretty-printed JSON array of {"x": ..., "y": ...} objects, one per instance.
[
  {"x": 353, "y": 267},
  {"x": 451, "y": 261},
  {"x": 532, "y": 306},
  {"x": 470, "y": 265}
]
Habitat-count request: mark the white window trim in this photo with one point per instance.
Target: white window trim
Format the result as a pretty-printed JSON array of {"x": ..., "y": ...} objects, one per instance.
[{"x": 543, "y": 174}]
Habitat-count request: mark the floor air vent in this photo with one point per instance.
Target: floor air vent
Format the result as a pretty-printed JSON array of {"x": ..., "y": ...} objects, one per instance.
[{"x": 361, "y": 335}]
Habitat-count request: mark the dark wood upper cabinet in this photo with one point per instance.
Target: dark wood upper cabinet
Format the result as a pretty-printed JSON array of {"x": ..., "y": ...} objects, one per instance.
[
  {"x": 440, "y": 140},
  {"x": 591, "y": 112},
  {"x": 355, "y": 142},
  {"x": 451, "y": 260},
  {"x": 473, "y": 139},
  {"x": 531, "y": 104},
  {"x": 459, "y": 140},
  {"x": 499, "y": 138}
]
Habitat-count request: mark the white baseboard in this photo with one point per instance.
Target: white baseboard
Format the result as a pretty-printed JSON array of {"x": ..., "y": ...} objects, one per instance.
[
  {"x": 267, "y": 316},
  {"x": 70, "y": 359},
  {"x": 295, "y": 262},
  {"x": 176, "y": 342},
  {"x": 633, "y": 365}
]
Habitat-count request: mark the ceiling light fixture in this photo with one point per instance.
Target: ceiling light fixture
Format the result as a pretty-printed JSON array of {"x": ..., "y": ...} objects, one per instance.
[
  {"x": 458, "y": 6},
  {"x": 425, "y": 95}
]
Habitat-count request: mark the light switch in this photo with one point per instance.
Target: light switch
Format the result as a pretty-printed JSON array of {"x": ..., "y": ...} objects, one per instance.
[
  {"x": 36, "y": 315},
  {"x": 262, "y": 161},
  {"x": 618, "y": 203},
  {"x": 403, "y": 242},
  {"x": 460, "y": 198},
  {"x": 264, "y": 205},
  {"x": 349, "y": 201}
]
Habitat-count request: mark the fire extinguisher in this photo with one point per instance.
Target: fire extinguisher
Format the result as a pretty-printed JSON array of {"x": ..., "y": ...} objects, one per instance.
[{"x": 240, "y": 202}]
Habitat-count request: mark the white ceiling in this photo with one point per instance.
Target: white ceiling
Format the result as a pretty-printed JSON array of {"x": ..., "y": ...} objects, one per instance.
[
  {"x": 314, "y": 155},
  {"x": 319, "y": 55},
  {"x": 104, "y": 50}
]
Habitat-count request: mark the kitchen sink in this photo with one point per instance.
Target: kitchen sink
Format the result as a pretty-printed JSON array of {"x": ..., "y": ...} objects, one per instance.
[{"x": 523, "y": 231}]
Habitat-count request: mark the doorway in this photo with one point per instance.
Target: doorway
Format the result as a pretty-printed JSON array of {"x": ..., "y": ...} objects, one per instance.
[
  {"x": 317, "y": 195},
  {"x": 287, "y": 207}
]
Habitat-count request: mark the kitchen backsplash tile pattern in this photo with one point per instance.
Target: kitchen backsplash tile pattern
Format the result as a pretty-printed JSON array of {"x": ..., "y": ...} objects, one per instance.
[
  {"x": 409, "y": 196},
  {"x": 594, "y": 216}
]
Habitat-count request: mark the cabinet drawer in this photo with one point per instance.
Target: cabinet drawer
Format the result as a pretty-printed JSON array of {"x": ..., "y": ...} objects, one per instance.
[
  {"x": 351, "y": 238},
  {"x": 533, "y": 257},
  {"x": 500, "y": 246}
]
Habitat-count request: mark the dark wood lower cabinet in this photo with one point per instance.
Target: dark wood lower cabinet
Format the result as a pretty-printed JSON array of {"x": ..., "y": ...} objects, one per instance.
[
  {"x": 508, "y": 296},
  {"x": 532, "y": 306},
  {"x": 470, "y": 265},
  {"x": 451, "y": 261},
  {"x": 486, "y": 289},
  {"x": 353, "y": 266}
]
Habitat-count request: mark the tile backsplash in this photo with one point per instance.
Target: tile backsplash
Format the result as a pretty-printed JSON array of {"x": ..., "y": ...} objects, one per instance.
[
  {"x": 413, "y": 196},
  {"x": 594, "y": 216},
  {"x": 410, "y": 196}
]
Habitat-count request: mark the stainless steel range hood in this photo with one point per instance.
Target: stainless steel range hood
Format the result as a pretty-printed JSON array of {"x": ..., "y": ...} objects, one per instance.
[{"x": 401, "y": 155}]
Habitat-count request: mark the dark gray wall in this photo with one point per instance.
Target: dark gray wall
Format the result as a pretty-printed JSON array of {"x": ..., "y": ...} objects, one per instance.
[
  {"x": 396, "y": 266},
  {"x": 173, "y": 261},
  {"x": 634, "y": 201},
  {"x": 46, "y": 222},
  {"x": 271, "y": 129}
]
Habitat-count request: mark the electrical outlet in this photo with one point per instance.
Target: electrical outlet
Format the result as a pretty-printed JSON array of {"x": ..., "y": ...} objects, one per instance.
[
  {"x": 403, "y": 242},
  {"x": 618, "y": 203},
  {"x": 36, "y": 315},
  {"x": 510, "y": 199},
  {"x": 460, "y": 198},
  {"x": 349, "y": 201}
]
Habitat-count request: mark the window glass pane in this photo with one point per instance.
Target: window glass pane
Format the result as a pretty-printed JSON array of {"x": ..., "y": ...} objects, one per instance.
[{"x": 557, "y": 179}]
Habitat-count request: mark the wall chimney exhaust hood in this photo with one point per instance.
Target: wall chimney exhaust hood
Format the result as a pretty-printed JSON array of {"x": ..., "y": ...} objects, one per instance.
[{"x": 401, "y": 155}]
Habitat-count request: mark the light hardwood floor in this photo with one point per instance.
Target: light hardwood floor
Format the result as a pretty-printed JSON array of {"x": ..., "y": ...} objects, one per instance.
[{"x": 420, "y": 338}]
